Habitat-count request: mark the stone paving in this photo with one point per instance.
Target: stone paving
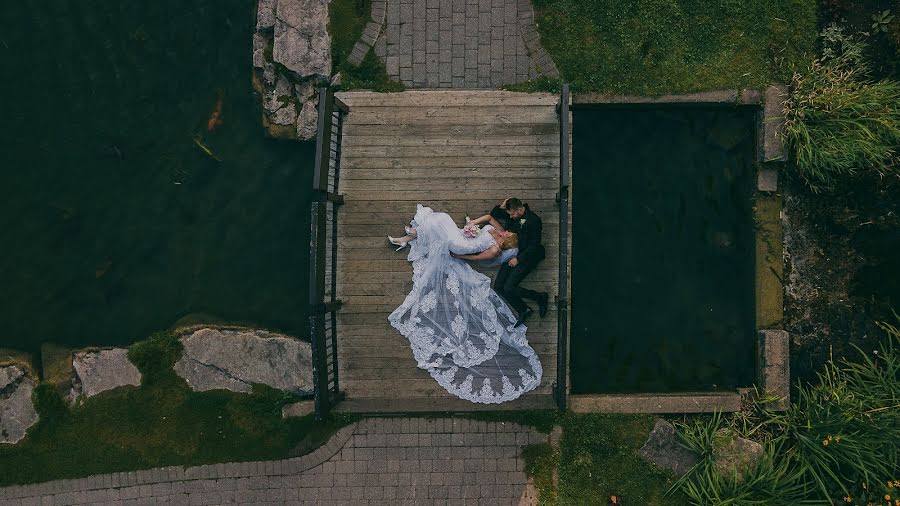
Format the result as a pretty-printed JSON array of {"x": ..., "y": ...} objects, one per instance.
[
  {"x": 374, "y": 461},
  {"x": 456, "y": 43}
]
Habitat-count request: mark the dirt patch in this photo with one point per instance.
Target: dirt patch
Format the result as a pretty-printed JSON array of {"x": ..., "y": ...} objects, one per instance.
[{"x": 842, "y": 270}]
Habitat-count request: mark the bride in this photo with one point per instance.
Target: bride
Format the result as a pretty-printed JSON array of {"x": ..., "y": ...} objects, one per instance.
[{"x": 460, "y": 330}]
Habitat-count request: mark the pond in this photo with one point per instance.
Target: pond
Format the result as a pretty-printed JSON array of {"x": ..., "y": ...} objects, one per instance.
[
  {"x": 115, "y": 222},
  {"x": 663, "y": 249}
]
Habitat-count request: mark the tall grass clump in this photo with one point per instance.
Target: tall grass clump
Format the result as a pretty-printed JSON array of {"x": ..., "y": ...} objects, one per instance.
[
  {"x": 839, "y": 442},
  {"x": 838, "y": 122}
]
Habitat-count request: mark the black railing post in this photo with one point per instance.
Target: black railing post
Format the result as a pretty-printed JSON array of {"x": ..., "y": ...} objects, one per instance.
[
  {"x": 323, "y": 139},
  {"x": 562, "y": 302},
  {"x": 317, "y": 309},
  {"x": 326, "y": 200}
]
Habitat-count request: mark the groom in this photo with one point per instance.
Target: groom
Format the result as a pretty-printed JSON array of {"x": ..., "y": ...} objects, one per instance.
[{"x": 515, "y": 216}]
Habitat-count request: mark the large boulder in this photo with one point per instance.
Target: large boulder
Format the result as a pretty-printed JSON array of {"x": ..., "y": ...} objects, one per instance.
[
  {"x": 735, "y": 455},
  {"x": 97, "y": 371},
  {"x": 302, "y": 42},
  {"x": 236, "y": 359},
  {"x": 663, "y": 449},
  {"x": 17, "y": 411},
  {"x": 265, "y": 15}
]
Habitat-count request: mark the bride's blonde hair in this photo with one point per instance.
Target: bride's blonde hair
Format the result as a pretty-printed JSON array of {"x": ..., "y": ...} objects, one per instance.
[{"x": 510, "y": 241}]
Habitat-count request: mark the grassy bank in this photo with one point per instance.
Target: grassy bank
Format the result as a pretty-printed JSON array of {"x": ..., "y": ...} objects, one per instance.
[
  {"x": 347, "y": 20},
  {"x": 160, "y": 423},
  {"x": 652, "y": 47},
  {"x": 598, "y": 458}
]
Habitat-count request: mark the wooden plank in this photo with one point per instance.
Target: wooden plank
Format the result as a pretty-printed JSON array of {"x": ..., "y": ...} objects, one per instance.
[
  {"x": 352, "y": 160},
  {"x": 444, "y": 130},
  {"x": 399, "y": 275},
  {"x": 453, "y": 116},
  {"x": 388, "y": 137},
  {"x": 439, "y": 404},
  {"x": 452, "y": 207},
  {"x": 369, "y": 242},
  {"x": 421, "y": 173},
  {"x": 464, "y": 184},
  {"x": 419, "y": 152},
  {"x": 455, "y": 208},
  {"x": 403, "y": 218},
  {"x": 427, "y": 99},
  {"x": 406, "y": 369},
  {"x": 382, "y": 230}
]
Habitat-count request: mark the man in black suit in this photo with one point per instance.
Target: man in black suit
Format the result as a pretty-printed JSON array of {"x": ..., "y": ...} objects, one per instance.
[{"x": 516, "y": 217}]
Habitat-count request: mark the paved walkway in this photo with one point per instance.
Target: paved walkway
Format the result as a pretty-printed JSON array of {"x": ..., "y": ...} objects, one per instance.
[
  {"x": 375, "y": 461},
  {"x": 456, "y": 43}
]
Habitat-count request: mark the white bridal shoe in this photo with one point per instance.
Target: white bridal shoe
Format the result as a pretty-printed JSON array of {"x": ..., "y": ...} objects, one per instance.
[{"x": 398, "y": 242}]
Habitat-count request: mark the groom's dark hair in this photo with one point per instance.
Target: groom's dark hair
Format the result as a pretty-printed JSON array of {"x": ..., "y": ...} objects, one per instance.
[{"x": 513, "y": 203}]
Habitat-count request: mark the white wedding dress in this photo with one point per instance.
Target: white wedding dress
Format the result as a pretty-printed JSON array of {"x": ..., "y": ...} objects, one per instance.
[{"x": 459, "y": 329}]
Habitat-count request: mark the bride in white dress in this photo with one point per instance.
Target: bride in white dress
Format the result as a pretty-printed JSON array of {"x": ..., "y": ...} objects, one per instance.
[{"x": 459, "y": 329}]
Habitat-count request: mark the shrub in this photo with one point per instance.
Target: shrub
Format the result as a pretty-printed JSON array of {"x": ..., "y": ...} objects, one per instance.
[
  {"x": 837, "y": 121},
  {"x": 840, "y": 439}
]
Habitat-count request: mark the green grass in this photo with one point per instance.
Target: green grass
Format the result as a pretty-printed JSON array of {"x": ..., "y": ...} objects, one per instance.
[
  {"x": 652, "y": 47},
  {"x": 160, "y": 423},
  {"x": 347, "y": 20},
  {"x": 598, "y": 458}
]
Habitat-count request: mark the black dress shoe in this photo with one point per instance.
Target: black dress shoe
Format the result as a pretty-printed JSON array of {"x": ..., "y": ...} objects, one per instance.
[
  {"x": 542, "y": 304},
  {"x": 524, "y": 316}
]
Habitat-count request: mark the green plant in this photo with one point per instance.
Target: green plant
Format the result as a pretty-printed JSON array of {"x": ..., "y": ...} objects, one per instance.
[
  {"x": 837, "y": 121},
  {"x": 840, "y": 439},
  {"x": 881, "y": 21}
]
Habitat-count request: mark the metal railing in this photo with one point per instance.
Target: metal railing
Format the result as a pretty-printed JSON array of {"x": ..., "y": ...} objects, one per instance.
[
  {"x": 323, "y": 299},
  {"x": 562, "y": 300}
]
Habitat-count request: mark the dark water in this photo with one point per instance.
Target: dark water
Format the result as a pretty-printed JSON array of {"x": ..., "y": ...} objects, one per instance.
[
  {"x": 114, "y": 224},
  {"x": 663, "y": 287}
]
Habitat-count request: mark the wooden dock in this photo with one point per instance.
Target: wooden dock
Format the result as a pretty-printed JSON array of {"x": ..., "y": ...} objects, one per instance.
[{"x": 460, "y": 153}]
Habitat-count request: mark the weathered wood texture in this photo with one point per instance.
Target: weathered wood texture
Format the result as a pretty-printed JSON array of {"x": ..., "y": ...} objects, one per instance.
[{"x": 460, "y": 153}]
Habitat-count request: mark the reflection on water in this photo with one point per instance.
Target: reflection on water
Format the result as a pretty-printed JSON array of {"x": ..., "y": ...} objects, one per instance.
[
  {"x": 137, "y": 185},
  {"x": 663, "y": 250}
]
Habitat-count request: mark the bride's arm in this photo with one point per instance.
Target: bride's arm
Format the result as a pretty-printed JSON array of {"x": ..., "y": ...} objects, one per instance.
[
  {"x": 482, "y": 220},
  {"x": 487, "y": 254}
]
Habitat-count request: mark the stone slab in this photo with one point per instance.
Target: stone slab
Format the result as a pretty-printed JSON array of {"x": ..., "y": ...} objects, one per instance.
[
  {"x": 700, "y": 402},
  {"x": 298, "y": 409},
  {"x": 773, "y": 365},
  {"x": 236, "y": 359},
  {"x": 767, "y": 180},
  {"x": 101, "y": 370},
  {"x": 773, "y": 124},
  {"x": 302, "y": 41},
  {"x": 769, "y": 261},
  {"x": 721, "y": 97},
  {"x": 17, "y": 412},
  {"x": 663, "y": 449}
]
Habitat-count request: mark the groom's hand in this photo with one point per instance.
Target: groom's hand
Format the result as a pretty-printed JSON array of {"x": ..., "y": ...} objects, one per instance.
[{"x": 513, "y": 262}]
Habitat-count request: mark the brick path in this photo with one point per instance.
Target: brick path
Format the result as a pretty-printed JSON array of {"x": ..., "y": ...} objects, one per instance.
[
  {"x": 375, "y": 461},
  {"x": 456, "y": 43}
]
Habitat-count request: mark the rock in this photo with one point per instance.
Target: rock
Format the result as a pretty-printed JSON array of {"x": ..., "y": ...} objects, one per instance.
[
  {"x": 663, "y": 449},
  {"x": 337, "y": 79},
  {"x": 269, "y": 74},
  {"x": 305, "y": 91},
  {"x": 287, "y": 115},
  {"x": 767, "y": 180},
  {"x": 302, "y": 42},
  {"x": 17, "y": 413},
  {"x": 298, "y": 409},
  {"x": 235, "y": 360},
  {"x": 97, "y": 371},
  {"x": 307, "y": 121},
  {"x": 259, "y": 50},
  {"x": 735, "y": 455},
  {"x": 265, "y": 15}
]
